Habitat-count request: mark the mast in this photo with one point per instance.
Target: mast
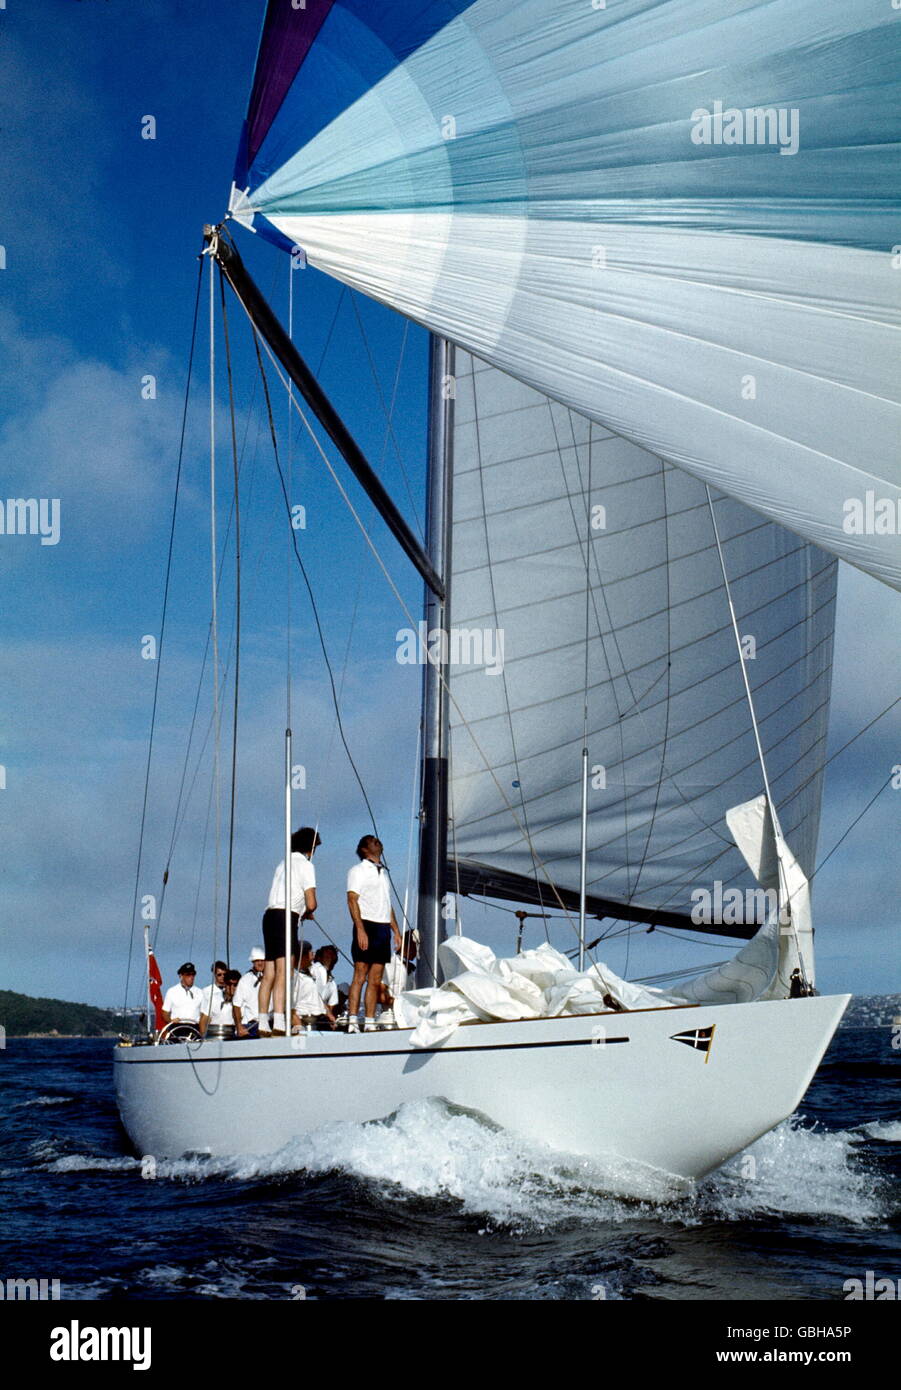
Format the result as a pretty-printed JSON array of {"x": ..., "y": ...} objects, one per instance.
[{"x": 434, "y": 779}]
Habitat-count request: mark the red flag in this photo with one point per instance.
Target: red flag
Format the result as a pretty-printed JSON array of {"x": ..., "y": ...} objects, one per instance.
[{"x": 156, "y": 988}]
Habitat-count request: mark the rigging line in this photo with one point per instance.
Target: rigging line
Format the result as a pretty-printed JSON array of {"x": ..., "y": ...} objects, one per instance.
[
  {"x": 637, "y": 702},
  {"x": 331, "y": 940},
  {"x": 494, "y": 608},
  {"x": 583, "y": 838},
  {"x": 873, "y": 799},
  {"x": 217, "y": 740},
  {"x": 396, "y": 592},
  {"x": 384, "y": 450},
  {"x": 394, "y": 390},
  {"x": 183, "y": 809},
  {"x": 237, "y": 620},
  {"x": 489, "y": 902},
  {"x": 688, "y": 970},
  {"x": 687, "y": 728},
  {"x": 679, "y": 885},
  {"x": 587, "y": 549},
  {"x": 175, "y": 821},
  {"x": 667, "y": 699},
  {"x": 385, "y": 412},
  {"x": 178, "y": 818},
  {"x": 692, "y": 642},
  {"x": 739, "y": 872},
  {"x": 328, "y": 336},
  {"x": 206, "y": 831},
  {"x": 346, "y": 663},
  {"x": 856, "y": 736},
  {"x": 289, "y": 568},
  {"x": 303, "y": 570},
  {"x": 730, "y": 776},
  {"x": 453, "y": 829},
  {"x": 687, "y": 801},
  {"x": 319, "y": 366},
  {"x": 159, "y": 653},
  {"x": 710, "y": 945},
  {"x": 866, "y": 808},
  {"x": 414, "y": 797},
  {"x": 774, "y": 814},
  {"x": 290, "y": 389}
]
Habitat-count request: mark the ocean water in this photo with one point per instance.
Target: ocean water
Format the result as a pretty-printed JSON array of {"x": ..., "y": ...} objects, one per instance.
[{"x": 436, "y": 1203}]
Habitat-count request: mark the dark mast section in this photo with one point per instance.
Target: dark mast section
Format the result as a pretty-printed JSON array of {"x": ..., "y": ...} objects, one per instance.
[{"x": 434, "y": 785}]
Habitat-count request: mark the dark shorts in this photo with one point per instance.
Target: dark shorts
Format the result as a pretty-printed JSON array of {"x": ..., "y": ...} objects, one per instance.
[
  {"x": 274, "y": 933},
  {"x": 378, "y": 951}
]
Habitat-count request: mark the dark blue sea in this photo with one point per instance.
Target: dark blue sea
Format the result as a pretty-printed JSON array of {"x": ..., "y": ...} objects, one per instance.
[{"x": 435, "y": 1204}]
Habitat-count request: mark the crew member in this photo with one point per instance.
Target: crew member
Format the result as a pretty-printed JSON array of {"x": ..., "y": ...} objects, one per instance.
[
  {"x": 303, "y": 905},
  {"x": 324, "y": 962},
  {"x": 397, "y": 978},
  {"x": 221, "y": 1011},
  {"x": 247, "y": 995},
  {"x": 211, "y": 996},
  {"x": 308, "y": 1007},
  {"x": 182, "y": 1001},
  {"x": 369, "y": 902}
]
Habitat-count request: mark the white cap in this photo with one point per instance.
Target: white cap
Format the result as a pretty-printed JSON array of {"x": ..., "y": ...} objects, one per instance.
[{"x": 257, "y": 953}]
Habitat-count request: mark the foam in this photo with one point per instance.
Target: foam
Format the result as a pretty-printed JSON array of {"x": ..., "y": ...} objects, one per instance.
[
  {"x": 430, "y": 1149},
  {"x": 886, "y": 1131},
  {"x": 794, "y": 1171}
]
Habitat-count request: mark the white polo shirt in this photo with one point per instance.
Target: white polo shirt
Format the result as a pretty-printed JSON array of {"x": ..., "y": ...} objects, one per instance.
[
  {"x": 328, "y": 990},
  {"x": 247, "y": 997},
  {"x": 222, "y": 1010},
  {"x": 370, "y": 883},
  {"x": 306, "y": 996},
  {"x": 396, "y": 976},
  {"x": 210, "y": 999},
  {"x": 303, "y": 876},
  {"x": 183, "y": 1004}
]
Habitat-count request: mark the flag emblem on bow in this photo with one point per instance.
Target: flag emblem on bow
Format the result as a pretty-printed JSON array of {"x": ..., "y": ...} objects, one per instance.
[{"x": 699, "y": 1038}]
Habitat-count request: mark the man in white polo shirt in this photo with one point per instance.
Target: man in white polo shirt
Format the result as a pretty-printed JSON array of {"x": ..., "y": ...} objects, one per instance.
[
  {"x": 247, "y": 995},
  {"x": 182, "y": 1002},
  {"x": 303, "y": 905},
  {"x": 369, "y": 901}
]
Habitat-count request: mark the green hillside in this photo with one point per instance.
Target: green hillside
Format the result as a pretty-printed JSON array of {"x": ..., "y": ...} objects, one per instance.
[{"x": 21, "y": 1015}]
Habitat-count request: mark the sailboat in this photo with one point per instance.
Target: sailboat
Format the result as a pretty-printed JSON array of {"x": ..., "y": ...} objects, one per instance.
[{"x": 652, "y": 250}]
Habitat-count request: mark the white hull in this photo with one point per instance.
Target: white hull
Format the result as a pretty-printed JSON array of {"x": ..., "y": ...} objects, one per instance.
[{"x": 615, "y": 1085}]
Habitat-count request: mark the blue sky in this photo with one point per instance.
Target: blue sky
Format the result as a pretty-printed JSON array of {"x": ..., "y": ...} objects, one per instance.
[{"x": 101, "y": 246}]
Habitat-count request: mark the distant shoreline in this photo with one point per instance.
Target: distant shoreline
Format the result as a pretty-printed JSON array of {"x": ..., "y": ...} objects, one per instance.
[{"x": 63, "y": 1037}]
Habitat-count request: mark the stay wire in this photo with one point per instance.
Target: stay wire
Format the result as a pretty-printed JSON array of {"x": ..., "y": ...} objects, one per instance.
[
  {"x": 237, "y": 514},
  {"x": 385, "y": 410},
  {"x": 306, "y": 579},
  {"x": 404, "y": 608},
  {"x": 466, "y": 723},
  {"x": 159, "y": 650},
  {"x": 214, "y": 584}
]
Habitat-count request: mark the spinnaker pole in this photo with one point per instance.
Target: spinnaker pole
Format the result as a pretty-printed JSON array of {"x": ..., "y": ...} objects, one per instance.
[
  {"x": 434, "y": 783},
  {"x": 269, "y": 328}
]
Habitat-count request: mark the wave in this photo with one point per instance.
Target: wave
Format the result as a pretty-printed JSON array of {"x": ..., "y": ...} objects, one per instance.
[
  {"x": 795, "y": 1171},
  {"x": 48, "y": 1100},
  {"x": 430, "y": 1149},
  {"x": 886, "y": 1131}
]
